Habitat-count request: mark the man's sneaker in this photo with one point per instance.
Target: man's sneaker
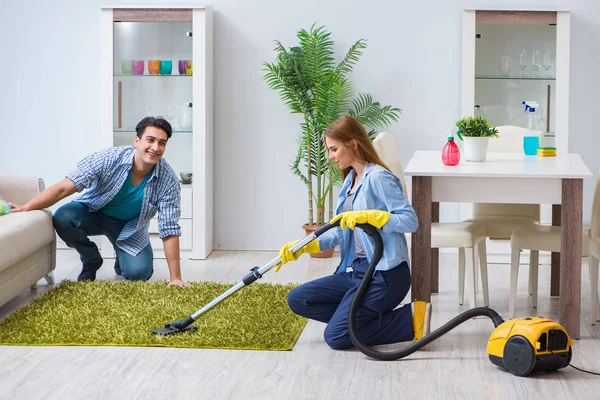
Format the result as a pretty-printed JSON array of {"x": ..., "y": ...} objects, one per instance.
[
  {"x": 421, "y": 318},
  {"x": 88, "y": 272}
]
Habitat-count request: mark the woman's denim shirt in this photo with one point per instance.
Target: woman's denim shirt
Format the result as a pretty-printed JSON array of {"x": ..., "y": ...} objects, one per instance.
[{"x": 378, "y": 189}]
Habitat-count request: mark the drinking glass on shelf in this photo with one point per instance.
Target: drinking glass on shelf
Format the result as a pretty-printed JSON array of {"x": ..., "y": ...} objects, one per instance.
[
  {"x": 509, "y": 115},
  {"x": 126, "y": 120},
  {"x": 170, "y": 111},
  {"x": 505, "y": 65},
  {"x": 126, "y": 67},
  {"x": 523, "y": 61},
  {"x": 547, "y": 62},
  {"x": 542, "y": 117},
  {"x": 536, "y": 61}
]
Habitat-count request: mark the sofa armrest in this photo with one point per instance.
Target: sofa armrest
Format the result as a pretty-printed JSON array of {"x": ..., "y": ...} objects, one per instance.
[{"x": 20, "y": 189}]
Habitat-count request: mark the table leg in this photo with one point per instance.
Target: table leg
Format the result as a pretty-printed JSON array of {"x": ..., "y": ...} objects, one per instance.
[
  {"x": 570, "y": 256},
  {"x": 435, "y": 253},
  {"x": 555, "y": 257},
  {"x": 421, "y": 239}
]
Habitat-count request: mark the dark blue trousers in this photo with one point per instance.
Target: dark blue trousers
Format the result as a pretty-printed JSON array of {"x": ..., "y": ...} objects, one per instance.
[
  {"x": 328, "y": 300},
  {"x": 74, "y": 223}
]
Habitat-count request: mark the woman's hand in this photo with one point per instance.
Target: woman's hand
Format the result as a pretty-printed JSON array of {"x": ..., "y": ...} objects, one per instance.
[
  {"x": 349, "y": 219},
  {"x": 287, "y": 255}
]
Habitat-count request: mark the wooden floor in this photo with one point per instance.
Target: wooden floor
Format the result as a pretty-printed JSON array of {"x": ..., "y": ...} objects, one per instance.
[{"x": 454, "y": 367}]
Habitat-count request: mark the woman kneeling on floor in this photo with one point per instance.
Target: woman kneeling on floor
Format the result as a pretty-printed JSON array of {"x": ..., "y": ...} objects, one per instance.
[{"x": 370, "y": 194}]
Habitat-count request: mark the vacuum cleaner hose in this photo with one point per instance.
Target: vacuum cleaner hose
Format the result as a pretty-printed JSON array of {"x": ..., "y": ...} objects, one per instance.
[{"x": 405, "y": 351}]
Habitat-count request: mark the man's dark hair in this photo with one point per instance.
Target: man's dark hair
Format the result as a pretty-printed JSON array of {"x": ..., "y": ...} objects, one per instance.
[{"x": 157, "y": 122}]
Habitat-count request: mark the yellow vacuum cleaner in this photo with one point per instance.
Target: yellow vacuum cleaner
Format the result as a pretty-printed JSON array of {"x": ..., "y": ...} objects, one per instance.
[
  {"x": 526, "y": 345},
  {"x": 521, "y": 346}
]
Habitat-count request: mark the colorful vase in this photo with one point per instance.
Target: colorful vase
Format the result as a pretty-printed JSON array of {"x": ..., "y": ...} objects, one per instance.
[
  {"x": 153, "y": 67},
  {"x": 137, "y": 67},
  {"x": 166, "y": 66},
  {"x": 126, "y": 67}
]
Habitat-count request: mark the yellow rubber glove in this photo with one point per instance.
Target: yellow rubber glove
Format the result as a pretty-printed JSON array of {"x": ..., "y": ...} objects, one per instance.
[
  {"x": 349, "y": 219},
  {"x": 286, "y": 254}
]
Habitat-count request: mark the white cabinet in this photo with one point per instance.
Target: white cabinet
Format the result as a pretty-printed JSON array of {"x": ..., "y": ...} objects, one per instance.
[
  {"x": 510, "y": 56},
  {"x": 158, "y": 61}
]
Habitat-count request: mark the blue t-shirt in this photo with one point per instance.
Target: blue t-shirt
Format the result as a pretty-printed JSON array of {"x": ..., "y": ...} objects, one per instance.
[{"x": 127, "y": 204}]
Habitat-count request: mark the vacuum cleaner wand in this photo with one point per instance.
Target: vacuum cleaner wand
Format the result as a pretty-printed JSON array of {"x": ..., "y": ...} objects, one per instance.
[{"x": 255, "y": 274}]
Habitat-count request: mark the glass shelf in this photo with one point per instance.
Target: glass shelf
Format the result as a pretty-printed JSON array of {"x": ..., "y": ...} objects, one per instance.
[
  {"x": 132, "y": 130},
  {"x": 157, "y": 75},
  {"x": 516, "y": 78}
]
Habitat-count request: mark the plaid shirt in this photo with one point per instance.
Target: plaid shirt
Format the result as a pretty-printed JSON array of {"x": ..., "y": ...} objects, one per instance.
[{"x": 104, "y": 173}]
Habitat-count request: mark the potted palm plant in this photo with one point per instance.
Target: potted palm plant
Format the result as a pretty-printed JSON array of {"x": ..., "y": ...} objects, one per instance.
[
  {"x": 475, "y": 133},
  {"x": 311, "y": 84}
]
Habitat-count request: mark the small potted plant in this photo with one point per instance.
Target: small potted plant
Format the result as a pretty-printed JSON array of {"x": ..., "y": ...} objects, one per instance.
[{"x": 475, "y": 133}]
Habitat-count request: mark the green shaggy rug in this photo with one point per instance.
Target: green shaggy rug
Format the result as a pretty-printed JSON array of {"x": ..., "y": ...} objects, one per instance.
[{"x": 121, "y": 313}]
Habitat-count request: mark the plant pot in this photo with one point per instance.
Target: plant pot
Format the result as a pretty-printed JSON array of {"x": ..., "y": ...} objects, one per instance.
[
  {"x": 324, "y": 254},
  {"x": 475, "y": 148}
]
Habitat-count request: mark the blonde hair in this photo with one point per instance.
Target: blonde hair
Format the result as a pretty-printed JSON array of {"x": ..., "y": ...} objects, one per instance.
[{"x": 346, "y": 129}]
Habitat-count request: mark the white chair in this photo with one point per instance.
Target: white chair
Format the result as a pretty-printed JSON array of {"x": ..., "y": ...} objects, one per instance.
[
  {"x": 385, "y": 146},
  {"x": 594, "y": 253},
  {"x": 465, "y": 236},
  {"x": 510, "y": 139},
  {"x": 594, "y": 256},
  {"x": 548, "y": 238}
]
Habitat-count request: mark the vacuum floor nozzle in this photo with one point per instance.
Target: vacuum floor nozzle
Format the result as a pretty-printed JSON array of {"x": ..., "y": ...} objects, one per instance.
[{"x": 169, "y": 329}]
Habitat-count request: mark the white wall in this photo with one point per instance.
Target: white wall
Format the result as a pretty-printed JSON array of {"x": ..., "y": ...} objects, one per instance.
[{"x": 49, "y": 102}]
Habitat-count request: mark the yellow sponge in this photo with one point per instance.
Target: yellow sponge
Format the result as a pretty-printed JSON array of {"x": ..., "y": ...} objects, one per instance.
[{"x": 546, "y": 151}]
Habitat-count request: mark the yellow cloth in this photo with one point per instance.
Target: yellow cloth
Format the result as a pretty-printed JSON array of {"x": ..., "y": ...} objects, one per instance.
[
  {"x": 349, "y": 219},
  {"x": 286, "y": 254}
]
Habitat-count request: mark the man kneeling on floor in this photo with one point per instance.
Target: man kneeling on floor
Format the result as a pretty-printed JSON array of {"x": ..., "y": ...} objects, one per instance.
[{"x": 126, "y": 185}]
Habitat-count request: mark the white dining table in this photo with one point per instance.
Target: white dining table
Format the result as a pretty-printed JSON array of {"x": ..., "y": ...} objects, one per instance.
[{"x": 504, "y": 177}]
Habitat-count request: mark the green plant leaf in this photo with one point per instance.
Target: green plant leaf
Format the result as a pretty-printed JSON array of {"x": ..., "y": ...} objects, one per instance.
[{"x": 475, "y": 126}]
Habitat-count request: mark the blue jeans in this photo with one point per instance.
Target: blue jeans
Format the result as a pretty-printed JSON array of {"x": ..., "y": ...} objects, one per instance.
[
  {"x": 328, "y": 300},
  {"x": 74, "y": 223}
]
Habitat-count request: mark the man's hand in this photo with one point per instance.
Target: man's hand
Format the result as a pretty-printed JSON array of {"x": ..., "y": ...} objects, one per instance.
[
  {"x": 171, "y": 247},
  {"x": 16, "y": 207},
  {"x": 178, "y": 282},
  {"x": 47, "y": 197}
]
